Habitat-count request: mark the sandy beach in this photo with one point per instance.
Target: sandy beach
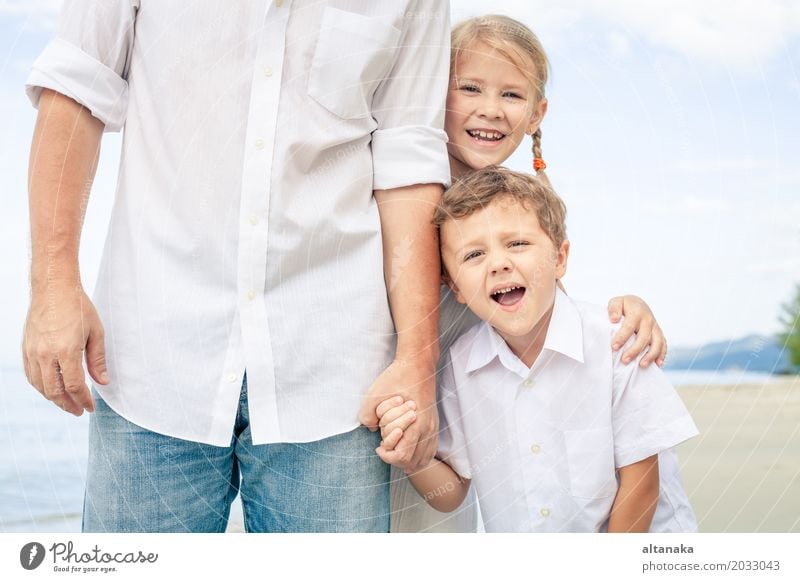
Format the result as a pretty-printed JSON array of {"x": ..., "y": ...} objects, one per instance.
[{"x": 743, "y": 472}]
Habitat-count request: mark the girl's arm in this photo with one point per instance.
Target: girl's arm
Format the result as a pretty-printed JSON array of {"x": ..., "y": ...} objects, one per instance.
[
  {"x": 639, "y": 319},
  {"x": 440, "y": 486},
  {"x": 637, "y": 497}
]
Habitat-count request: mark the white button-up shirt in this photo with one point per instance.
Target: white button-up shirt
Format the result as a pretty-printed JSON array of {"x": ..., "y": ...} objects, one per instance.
[
  {"x": 245, "y": 235},
  {"x": 542, "y": 445}
]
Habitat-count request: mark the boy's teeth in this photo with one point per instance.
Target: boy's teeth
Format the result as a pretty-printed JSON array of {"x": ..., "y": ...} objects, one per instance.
[{"x": 509, "y": 296}]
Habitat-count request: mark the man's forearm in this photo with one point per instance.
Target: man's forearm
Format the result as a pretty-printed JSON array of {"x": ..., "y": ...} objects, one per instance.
[
  {"x": 412, "y": 268},
  {"x": 63, "y": 160}
]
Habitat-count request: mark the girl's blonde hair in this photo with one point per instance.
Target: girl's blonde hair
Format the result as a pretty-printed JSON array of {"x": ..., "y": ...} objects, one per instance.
[{"x": 518, "y": 44}]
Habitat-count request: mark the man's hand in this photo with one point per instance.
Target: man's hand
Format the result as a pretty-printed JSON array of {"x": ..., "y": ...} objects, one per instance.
[
  {"x": 641, "y": 321},
  {"x": 413, "y": 381},
  {"x": 61, "y": 324}
]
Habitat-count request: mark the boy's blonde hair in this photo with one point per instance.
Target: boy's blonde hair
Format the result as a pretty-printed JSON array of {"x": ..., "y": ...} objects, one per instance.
[
  {"x": 478, "y": 189},
  {"x": 516, "y": 42}
]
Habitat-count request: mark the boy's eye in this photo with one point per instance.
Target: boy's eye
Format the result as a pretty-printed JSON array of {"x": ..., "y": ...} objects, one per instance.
[
  {"x": 472, "y": 255},
  {"x": 470, "y": 88},
  {"x": 519, "y": 243},
  {"x": 512, "y": 95}
]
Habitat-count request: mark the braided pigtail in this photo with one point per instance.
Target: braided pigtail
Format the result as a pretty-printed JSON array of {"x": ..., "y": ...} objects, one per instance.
[{"x": 538, "y": 160}]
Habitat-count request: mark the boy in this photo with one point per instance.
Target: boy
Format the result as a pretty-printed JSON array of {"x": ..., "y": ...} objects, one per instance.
[{"x": 556, "y": 433}]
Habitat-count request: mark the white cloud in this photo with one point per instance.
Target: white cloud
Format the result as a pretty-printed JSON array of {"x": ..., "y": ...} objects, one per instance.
[
  {"x": 687, "y": 206},
  {"x": 30, "y": 7},
  {"x": 619, "y": 45},
  {"x": 41, "y": 13},
  {"x": 739, "y": 34},
  {"x": 735, "y": 33},
  {"x": 745, "y": 164},
  {"x": 788, "y": 266}
]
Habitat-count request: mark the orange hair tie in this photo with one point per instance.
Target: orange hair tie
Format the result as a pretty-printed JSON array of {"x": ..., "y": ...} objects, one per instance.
[{"x": 538, "y": 164}]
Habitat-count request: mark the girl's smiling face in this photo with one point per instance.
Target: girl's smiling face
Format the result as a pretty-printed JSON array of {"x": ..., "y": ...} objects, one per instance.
[{"x": 491, "y": 105}]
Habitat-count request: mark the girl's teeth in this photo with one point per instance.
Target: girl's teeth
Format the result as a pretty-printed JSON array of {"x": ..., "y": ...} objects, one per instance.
[{"x": 486, "y": 135}]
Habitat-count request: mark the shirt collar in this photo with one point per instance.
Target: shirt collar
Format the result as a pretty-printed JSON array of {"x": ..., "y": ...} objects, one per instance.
[{"x": 564, "y": 335}]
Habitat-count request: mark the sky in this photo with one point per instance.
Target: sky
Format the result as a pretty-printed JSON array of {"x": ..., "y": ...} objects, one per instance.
[{"x": 671, "y": 134}]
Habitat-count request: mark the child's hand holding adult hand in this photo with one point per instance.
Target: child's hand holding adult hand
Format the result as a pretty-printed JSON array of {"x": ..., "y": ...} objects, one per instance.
[
  {"x": 408, "y": 381},
  {"x": 395, "y": 415}
]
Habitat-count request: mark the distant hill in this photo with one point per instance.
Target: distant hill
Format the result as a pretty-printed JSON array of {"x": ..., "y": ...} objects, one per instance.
[{"x": 754, "y": 353}]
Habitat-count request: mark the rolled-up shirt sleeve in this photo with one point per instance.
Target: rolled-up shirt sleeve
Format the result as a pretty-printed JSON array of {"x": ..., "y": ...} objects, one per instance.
[
  {"x": 88, "y": 58},
  {"x": 409, "y": 145}
]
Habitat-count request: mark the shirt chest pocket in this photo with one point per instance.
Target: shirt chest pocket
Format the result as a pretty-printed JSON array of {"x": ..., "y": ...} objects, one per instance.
[
  {"x": 353, "y": 54},
  {"x": 590, "y": 456}
]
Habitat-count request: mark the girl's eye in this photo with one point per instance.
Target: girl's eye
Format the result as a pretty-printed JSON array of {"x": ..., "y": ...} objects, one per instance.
[
  {"x": 512, "y": 95},
  {"x": 470, "y": 88},
  {"x": 472, "y": 255}
]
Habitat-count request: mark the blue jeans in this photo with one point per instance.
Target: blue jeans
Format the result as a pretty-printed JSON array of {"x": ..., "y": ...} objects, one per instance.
[{"x": 142, "y": 481}]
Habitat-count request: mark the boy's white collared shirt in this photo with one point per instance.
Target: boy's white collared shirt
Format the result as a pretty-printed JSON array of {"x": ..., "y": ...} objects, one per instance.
[
  {"x": 542, "y": 445},
  {"x": 245, "y": 234}
]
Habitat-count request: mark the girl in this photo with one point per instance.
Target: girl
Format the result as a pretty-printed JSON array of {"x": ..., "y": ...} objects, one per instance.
[{"x": 496, "y": 97}]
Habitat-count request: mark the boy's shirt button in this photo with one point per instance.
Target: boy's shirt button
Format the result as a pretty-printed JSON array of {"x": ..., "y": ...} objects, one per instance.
[
  {"x": 529, "y": 383},
  {"x": 544, "y": 512},
  {"x": 536, "y": 449}
]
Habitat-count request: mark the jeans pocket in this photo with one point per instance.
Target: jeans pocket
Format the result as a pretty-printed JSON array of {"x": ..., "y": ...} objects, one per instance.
[
  {"x": 353, "y": 54},
  {"x": 590, "y": 456}
]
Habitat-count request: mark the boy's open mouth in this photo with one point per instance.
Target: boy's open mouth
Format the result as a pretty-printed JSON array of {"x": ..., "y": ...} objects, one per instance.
[
  {"x": 508, "y": 296},
  {"x": 485, "y": 134}
]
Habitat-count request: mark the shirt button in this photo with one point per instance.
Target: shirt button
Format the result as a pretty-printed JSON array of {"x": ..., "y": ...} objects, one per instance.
[
  {"x": 267, "y": 72},
  {"x": 232, "y": 377},
  {"x": 544, "y": 512},
  {"x": 536, "y": 449},
  {"x": 278, "y": 3},
  {"x": 253, "y": 219},
  {"x": 260, "y": 144},
  {"x": 529, "y": 383},
  {"x": 251, "y": 295}
]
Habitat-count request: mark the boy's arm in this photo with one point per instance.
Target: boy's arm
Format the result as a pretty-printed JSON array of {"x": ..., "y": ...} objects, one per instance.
[
  {"x": 440, "y": 486},
  {"x": 636, "y": 498}
]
